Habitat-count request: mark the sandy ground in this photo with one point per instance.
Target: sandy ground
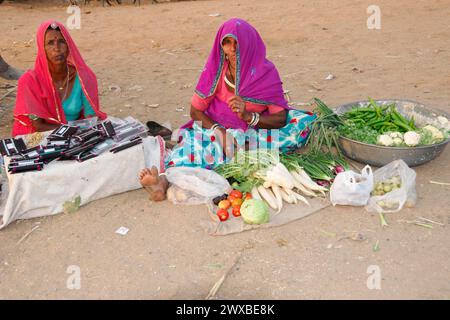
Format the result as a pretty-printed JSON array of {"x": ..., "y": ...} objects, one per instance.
[{"x": 166, "y": 254}]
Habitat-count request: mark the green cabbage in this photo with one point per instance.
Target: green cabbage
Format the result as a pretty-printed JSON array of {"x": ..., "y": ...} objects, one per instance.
[{"x": 255, "y": 211}]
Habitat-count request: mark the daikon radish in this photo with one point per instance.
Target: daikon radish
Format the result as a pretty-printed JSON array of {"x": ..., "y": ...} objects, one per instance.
[
  {"x": 255, "y": 193},
  {"x": 288, "y": 196},
  {"x": 277, "y": 192},
  {"x": 285, "y": 171},
  {"x": 275, "y": 177},
  {"x": 301, "y": 198},
  {"x": 297, "y": 196},
  {"x": 301, "y": 187},
  {"x": 267, "y": 184},
  {"x": 308, "y": 182},
  {"x": 268, "y": 196}
]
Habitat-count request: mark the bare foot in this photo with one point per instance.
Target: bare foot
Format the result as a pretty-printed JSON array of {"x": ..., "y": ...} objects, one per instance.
[{"x": 155, "y": 184}]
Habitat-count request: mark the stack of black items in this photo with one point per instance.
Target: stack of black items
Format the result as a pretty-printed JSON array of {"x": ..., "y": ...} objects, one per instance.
[
  {"x": 64, "y": 143},
  {"x": 10, "y": 147},
  {"x": 127, "y": 144},
  {"x": 24, "y": 165},
  {"x": 63, "y": 133},
  {"x": 107, "y": 129}
]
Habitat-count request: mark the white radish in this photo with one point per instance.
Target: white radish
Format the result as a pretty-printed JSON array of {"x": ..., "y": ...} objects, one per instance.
[
  {"x": 301, "y": 198},
  {"x": 288, "y": 196},
  {"x": 255, "y": 193},
  {"x": 303, "y": 173},
  {"x": 286, "y": 172},
  {"x": 268, "y": 196},
  {"x": 275, "y": 177},
  {"x": 281, "y": 170},
  {"x": 267, "y": 184},
  {"x": 301, "y": 187},
  {"x": 277, "y": 192},
  {"x": 308, "y": 182}
]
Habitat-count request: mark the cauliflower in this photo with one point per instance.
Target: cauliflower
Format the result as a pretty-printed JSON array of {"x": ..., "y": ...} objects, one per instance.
[
  {"x": 437, "y": 135},
  {"x": 412, "y": 138},
  {"x": 443, "y": 120},
  {"x": 396, "y": 134},
  {"x": 397, "y": 141},
  {"x": 385, "y": 140}
]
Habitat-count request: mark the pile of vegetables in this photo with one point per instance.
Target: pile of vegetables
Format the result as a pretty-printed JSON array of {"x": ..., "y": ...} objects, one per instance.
[
  {"x": 382, "y": 188},
  {"x": 385, "y": 126},
  {"x": 320, "y": 166},
  {"x": 380, "y": 118},
  {"x": 232, "y": 201},
  {"x": 286, "y": 178},
  {"x": 386, "y": 186},
  {"x": 324, "y": 134}
]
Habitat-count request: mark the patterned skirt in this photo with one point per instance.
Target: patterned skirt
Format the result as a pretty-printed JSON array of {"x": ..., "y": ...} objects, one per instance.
[{"x": 200, "y": 147}]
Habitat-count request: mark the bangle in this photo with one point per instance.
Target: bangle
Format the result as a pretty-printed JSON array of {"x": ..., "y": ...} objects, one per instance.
[
  {"x": 252, "y": 119},
  {"x": 215, "y": 126},
  {"x": 255, "y": 119}
]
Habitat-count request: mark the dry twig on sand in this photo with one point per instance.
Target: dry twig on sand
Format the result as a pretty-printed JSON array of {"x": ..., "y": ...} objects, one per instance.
[
  {"x": 27, "y": 234},
  {"x": 219, "y": 283},
  {"x": 8, "y": 92}
]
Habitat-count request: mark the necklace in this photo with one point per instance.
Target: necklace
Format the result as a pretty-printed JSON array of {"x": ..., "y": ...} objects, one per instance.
[
  {"x": 228, "y": 82},
  {"x": 66, "y": 85}
]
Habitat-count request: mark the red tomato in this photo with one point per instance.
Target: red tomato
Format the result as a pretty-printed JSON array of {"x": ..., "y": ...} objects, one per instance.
[
  {"x": 224, "y": 204},
  {"x": 248, "y": 195},
  {"x": 236, "y": 194},
  {"x": 231, "y": 198},
  {"x": 237, "y": 202},
  {"x": 223, "y": 214},
  {"x": 237, "y": 211}
]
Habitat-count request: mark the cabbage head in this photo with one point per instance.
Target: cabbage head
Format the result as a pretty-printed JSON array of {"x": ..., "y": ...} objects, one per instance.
[{"x": 255, "y": 211}]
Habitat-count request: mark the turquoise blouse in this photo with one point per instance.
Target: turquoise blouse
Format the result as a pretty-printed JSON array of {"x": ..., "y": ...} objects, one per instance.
[{"x": 73, "y": 105}]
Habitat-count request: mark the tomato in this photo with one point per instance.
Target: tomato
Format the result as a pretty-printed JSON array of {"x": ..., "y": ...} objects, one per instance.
[
  {"x": 224, "y": 204},
  {"x": 248, "y": 195},
  {"x": 236, "y": 211},
  {"x": 237, "y": 202},
  {"x": 231, "y": 198},
  {"x": 222, "y": 214},
  {"x": 236, "y": 194}
]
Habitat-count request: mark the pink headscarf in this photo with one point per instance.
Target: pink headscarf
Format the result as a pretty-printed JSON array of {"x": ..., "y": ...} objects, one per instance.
[
  {"x": 257, "y": 79},
  {"x": 36, "y": 94}
]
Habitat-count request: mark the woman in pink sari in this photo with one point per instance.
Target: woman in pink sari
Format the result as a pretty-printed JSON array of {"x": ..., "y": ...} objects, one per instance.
[
  {"x": 238, "y": 100},
  {"x": 60, "y": 88}
]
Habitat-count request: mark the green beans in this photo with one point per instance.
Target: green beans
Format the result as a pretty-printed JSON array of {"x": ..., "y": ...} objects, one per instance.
[{"x": 382, "y": 118}]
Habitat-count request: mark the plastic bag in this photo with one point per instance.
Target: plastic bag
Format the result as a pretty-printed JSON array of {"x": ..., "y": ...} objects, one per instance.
[
  {"x": 351, "y": 188},
  {"x": 190, "y": 186},
  {"x": 395, "y": 200}
]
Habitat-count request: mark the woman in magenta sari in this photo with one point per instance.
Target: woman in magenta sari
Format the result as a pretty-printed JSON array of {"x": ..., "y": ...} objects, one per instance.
[
  {"x": 238, "y": 101},
  {"x": 60, "y": 88}
]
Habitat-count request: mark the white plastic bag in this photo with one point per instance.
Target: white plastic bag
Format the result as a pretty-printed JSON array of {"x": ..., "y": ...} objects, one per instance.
[
  {"x": 395, "y": 200},
  {"x": 351, "y": 188},
  {"x": 190, "y": 186}
]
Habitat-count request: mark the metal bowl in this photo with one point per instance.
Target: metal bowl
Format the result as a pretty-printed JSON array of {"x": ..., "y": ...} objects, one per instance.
[{"x": 379, "y": 155}]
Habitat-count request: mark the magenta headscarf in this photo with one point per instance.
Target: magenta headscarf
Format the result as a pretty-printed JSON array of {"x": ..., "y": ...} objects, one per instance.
[
  {"x": 257, "y": 79},
  {"x": 36, "y": 94}
]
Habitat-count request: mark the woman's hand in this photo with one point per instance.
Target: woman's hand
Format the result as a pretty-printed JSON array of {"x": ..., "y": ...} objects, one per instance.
[
  {"x": 41, "y": 125},
  {"x": 237, "y": 105}
]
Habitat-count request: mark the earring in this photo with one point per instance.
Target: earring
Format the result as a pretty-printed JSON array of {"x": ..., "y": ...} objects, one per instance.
[{"x": 226, "y": 57}]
